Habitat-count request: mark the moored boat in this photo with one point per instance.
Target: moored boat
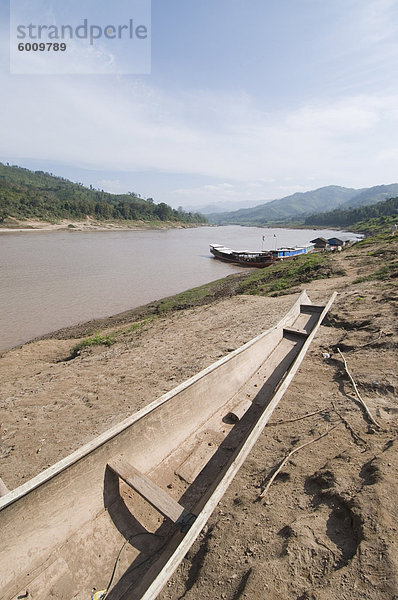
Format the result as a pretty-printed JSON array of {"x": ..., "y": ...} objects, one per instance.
[
  {"x": 265, "y": 258},
  {"x": 120, "y": 513}
]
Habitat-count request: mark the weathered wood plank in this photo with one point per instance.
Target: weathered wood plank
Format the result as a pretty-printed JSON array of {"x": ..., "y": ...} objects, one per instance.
[
  {"x": 199, "y": 457},
  {"x": 294, "y": 333},
  {"x": 146, "y": 488}
]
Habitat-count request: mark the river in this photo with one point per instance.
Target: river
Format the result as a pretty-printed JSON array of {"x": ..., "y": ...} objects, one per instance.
[{"x": 50, "y": 280}]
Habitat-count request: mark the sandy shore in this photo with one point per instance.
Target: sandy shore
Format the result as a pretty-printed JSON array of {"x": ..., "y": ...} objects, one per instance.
[
  {"x": 328, "y": 526},
  {"x": 89, "y": 225}
]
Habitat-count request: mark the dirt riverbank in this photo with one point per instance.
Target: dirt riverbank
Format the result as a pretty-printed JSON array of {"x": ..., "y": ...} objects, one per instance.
[
  {"x": 327, "y": 528},
  {"x": 88, "y": 224}
]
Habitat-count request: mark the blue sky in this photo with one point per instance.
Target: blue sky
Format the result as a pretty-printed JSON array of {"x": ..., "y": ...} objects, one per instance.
[{"x": 247, "y": 100}]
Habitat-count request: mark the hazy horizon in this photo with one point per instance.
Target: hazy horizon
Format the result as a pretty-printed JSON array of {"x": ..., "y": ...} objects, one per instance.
[{"x": 241, "y": 104}]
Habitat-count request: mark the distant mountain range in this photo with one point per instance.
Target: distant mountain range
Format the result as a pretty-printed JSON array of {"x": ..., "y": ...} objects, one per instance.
[
  {"x": 221, "y": 207},
  {"x": 300, "y": 205}
]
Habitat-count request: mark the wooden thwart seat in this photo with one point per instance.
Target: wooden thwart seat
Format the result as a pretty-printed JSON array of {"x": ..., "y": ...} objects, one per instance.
[
  {"x": 309, "y": 309},
  {"x": 152, "y": 493},
  {"x": 294, "y": 333}
]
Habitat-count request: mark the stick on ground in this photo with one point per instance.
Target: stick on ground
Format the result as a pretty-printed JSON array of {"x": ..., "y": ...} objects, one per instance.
[
  {"x": 285, "y": 460},
  {"x": 369, "y": 414},
  {"x": 311, "y": 414},
  {"x": 357, "y": 438}
]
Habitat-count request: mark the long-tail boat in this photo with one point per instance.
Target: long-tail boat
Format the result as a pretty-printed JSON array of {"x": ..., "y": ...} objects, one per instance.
[{"x": 265, "y": 258}]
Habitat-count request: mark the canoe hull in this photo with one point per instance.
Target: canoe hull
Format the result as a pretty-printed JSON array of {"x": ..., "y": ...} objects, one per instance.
[{"x": 63, "y": 530}]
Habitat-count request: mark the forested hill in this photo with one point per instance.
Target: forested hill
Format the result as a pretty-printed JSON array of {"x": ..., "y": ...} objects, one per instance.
[
  {"x": 302, "y": 204},
  {"x": 364, "y": 218},
  {"x": 372, "y": 195},
  {"x": 294, "y": 206},
  {"x": 37, "y": 195}
]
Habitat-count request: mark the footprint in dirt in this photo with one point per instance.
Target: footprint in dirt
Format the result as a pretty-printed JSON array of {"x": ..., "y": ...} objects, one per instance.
[{"x": 328, "y": 538}]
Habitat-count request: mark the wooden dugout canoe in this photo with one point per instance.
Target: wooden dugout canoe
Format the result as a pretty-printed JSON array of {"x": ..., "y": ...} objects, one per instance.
[{"x": 120, "y": 513}]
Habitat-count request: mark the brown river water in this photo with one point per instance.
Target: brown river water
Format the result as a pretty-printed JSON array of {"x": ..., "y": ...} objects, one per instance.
[{"x": 53, "y": 279}]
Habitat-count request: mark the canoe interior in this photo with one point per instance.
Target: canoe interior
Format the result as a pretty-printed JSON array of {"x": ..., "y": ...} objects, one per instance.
[{"x": 62, "y": 531}]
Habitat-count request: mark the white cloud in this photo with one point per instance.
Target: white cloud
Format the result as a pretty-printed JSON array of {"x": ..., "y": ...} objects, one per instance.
[
  {"x": 221, "y": 187},
  {"x": 207, "y": 193},
  {"x": 287, "y": 190},
  {"x": 227, "y": 140},
  {"x": 377, "y": 20},
  {"x": 350, "y": 116},
  {"x": 223, "y": 193},
  {"x": 134, "y": 127}
]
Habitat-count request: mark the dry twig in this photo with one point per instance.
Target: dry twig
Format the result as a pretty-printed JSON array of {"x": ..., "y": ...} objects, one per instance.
[
  {"x": 299, "y": 418},
  {"x": 357, "y": 438},
  {"x": 285, "y": 460},
  {"x": 369, "y": 343},
  {"x": 369, "y": 414}
]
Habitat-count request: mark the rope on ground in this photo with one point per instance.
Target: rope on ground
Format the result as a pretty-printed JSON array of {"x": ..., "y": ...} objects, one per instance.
[
  {"x": 103, "y": 594},
  {"x": 369, "y": 414},
  {"x": 286, "y": 459}
]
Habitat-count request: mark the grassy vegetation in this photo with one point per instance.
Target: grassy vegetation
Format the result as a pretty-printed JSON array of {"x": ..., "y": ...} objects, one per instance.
[
  {"x": 382, "y": 248},
  {"x": 96, "y": 340},
  {"x": 375, "y": 226},
  {"x": 389, "y": 271},
  {"x": 107, "y": 339},
  {"x": 281, "y": 277},
  {"x": 382, "y": 240},
  {"x": 203, "y": 294},
  {"x": 137, "y": 325},
  {"x": 267, "y": 281}
]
